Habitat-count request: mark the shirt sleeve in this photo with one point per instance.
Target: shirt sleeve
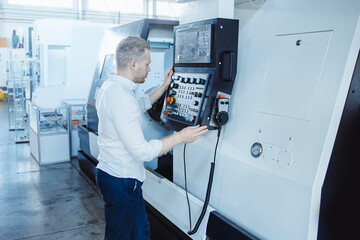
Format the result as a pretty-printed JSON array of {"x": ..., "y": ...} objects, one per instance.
[
  {"x": 126, "y": 118},
  {"x": 144, "y": 103}
]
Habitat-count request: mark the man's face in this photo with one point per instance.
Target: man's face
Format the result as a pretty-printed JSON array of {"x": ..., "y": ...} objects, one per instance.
[{"x": 142, "y": 68}]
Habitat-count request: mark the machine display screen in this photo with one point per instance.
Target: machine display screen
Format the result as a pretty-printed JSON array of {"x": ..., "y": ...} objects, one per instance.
[
  {"x": 108, "y": 67},
  {"x": 193, "y": 45}
]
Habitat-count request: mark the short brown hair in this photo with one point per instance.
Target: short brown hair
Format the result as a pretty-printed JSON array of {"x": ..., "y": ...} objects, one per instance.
[{"x": 128, "y": 49}]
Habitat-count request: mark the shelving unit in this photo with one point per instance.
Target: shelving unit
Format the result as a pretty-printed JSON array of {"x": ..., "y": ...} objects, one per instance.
[
  {"x": 76, "y": 115},
  {"x": 20, "y": 77}
]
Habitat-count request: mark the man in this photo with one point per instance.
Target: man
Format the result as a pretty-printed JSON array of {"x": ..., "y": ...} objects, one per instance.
[{"x": 123, "y": 148}]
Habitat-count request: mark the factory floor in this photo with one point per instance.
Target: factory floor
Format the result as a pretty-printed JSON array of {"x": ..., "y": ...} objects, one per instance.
[{"x": 44, "y": 202}]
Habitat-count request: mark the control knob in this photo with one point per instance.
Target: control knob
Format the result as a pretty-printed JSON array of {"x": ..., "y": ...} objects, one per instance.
[
  {"x": 222, "y": 117},
  {"x": 198, "y": 94},
  {"x": 174, "y": 85},
  {"x": 195, "y": 103}
]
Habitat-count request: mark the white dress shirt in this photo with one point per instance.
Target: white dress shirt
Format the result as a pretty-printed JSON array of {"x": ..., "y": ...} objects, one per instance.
[{"x": 123, "y": 148}]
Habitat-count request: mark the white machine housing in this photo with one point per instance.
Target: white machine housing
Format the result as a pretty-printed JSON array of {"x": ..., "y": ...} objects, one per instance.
[{"x": 295, "y": 64}]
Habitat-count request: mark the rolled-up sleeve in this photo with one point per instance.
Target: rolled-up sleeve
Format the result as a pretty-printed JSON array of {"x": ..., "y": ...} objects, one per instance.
[
  {"x": 128, "y": 127},
  {"x": 144, "y": 103}
]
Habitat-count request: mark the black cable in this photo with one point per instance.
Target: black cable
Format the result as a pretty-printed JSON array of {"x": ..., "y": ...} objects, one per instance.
[
  {"x": 208, "y": 190},
  {"x": 186, "y": 191}
]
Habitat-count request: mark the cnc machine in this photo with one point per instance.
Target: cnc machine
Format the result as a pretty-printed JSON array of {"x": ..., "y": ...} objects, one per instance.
[{"x": 286, "y": 159}]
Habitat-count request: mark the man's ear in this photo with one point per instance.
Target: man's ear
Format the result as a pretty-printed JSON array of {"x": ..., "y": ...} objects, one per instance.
[{"x": 132, "y": 64}]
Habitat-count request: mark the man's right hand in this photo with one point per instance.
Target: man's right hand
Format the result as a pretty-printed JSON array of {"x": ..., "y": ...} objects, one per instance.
[
  {"x": 187, "y": 135},
  {"x": 190, "y": 134}
]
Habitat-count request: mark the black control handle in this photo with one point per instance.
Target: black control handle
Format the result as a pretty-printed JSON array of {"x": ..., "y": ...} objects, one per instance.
[{"x": 228, "y": 66}]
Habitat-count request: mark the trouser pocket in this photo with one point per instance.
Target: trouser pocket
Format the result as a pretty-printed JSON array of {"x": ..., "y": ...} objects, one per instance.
[
  {"x": 135, "y": 186},
  {"x": 115, "y": 190}
]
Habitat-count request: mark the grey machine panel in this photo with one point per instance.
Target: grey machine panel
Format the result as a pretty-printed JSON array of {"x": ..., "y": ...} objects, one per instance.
[{"x": 105, "y": 63}]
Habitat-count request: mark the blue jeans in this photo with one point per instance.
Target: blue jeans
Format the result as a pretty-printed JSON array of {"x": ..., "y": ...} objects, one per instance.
[{"x": 125, "y": 214}]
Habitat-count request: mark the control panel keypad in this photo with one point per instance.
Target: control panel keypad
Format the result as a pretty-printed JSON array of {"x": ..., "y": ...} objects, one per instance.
[{"x": 185, "y": 97}]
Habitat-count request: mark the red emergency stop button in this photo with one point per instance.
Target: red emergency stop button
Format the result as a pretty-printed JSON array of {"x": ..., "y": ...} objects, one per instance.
[{"x": 170, "y": 100}]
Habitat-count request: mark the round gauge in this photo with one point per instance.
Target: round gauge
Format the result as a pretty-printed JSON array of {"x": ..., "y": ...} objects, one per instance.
[{"x": 256, "y": 150}]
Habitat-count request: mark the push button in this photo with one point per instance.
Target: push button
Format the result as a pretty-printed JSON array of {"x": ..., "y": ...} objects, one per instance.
[
  {"x": 170, "y": 100},
  {"x": 174, "y": 85}
]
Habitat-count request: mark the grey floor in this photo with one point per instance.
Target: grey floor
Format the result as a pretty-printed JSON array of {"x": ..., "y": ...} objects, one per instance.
[{"x": 44, "y": 202}]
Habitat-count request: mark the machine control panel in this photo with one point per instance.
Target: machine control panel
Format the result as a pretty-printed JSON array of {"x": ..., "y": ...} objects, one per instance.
[
  {"x": 205, "y": 66},
  {"x": 185, "y": 97}
]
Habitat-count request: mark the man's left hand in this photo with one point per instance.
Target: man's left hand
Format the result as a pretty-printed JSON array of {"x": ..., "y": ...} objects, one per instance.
[{"x": 167, "y": 78}]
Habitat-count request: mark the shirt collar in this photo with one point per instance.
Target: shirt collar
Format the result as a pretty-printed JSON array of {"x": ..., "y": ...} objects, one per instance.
[{"x": 125, "y": 83}]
